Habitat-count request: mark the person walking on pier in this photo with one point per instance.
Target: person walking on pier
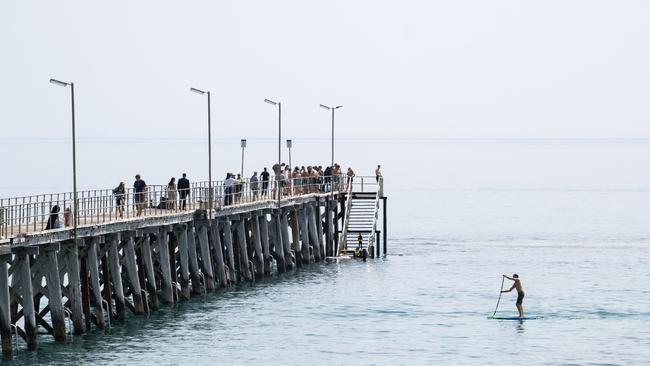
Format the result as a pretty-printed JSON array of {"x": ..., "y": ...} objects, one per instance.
[
  {"x": 520, "y": 293},
  {"x": 139, "y": 195},
  {"x": 254, "y": 181},
  {"x": 229, "y": 185},
  {"x": 378, "y": 173},
  {"x": 265, "y": 182},
  {"x": 171, "y": 194},
  {"x": 183, "y": 191},
  {"x": 119, "y": 192},
  {"x": 53, "y": 219}
]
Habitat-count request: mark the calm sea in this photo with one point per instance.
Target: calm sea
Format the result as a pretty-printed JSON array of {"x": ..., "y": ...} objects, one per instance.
[{"x": 570, "y": 217}]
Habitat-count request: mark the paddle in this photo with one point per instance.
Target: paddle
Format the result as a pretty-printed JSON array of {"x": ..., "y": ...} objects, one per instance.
[{"x": 503, "y": 278}]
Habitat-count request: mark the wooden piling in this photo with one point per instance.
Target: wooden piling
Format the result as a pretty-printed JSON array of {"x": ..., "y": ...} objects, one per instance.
[
  {"x": 150, "y": 273},
  {"x": 116, "y": 275},
  {"x": 303, "y": 213},
  {"x": 206, "y": 259},
  {"x": 106, "y": 279},
  {"x": 257, "y": 244},
  {"x": 217, "y": 249},
  {"x": 278, "y": 247},
  {"x": 181, "y": 234},
  {"x": 227, "y": 236},
  {"x": 55, "y": 298},
  {"x": 94, "y": 282},
  {"x": 319, "y": 230},
  {"x": 243, "y": 250},
  {"x": 163, "y": 260},
  {"x": 286, "y": 241},
  {"x": 294, "y": 223},
  {"x": 132, "y": 272},
  {"x": 314, "y": 230},
  {"x": 29, "y": 313},
  {"x": 5, "y": 306},
  {"x": 193, "y": 260},
  {"x": 264, "y": 236},
  {"x": 74, "y": 287}
]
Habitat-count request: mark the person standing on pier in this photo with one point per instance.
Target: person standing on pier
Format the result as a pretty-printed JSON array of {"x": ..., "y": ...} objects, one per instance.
[
  {"x": 140, "y": 190},
  {"x": 119, "y": 192},
  {"x": 229, "y": 185},
  {"x": 171, "y": 194},
  {"x": 378, "y": 173},
  {"x": 265, "y": 182},
  {"x": 254, "y": 181},
  {"x": 520, "y": 293},
  {"x": 183, "y": 191}
]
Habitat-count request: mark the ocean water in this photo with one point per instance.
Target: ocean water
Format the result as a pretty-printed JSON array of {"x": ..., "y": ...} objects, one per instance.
[{"x": 569, "y": 216}]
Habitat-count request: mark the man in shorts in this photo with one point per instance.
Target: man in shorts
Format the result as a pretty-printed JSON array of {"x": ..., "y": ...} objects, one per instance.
[
  {"x": 520, "y": 292},
  {"x": 139, "y": 194}
]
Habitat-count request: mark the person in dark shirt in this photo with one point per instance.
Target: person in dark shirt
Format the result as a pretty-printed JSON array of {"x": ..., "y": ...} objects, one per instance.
[
  {"x": 183, "y": 191},
  {"x": 265, "y": 182},
  {"x": 139, "y": 194}
]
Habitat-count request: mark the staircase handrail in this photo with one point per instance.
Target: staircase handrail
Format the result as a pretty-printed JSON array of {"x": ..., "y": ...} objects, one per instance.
[{"x": 343, "y": 239}]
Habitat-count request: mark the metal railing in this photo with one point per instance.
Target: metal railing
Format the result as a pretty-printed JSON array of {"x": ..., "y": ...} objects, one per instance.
[{"x": 37, "y": 213}]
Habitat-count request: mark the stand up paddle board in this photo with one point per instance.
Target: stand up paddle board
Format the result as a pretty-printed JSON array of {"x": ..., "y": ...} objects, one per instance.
[{"x": 514, "y": 317}]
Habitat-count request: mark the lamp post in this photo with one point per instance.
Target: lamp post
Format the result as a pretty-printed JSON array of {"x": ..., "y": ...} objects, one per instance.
[
  {"x": 289, "y": 147},
  {"x": 332, "y": 166},
  {"x": 209, "y": 156},
  {"x": 75, "y": 210},
  {"x": 277, "y": 178},
  {"x": 243, "y": 146}
]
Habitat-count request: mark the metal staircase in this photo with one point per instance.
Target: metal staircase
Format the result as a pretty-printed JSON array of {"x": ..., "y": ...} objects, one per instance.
[{"x": 362, "y": 213}]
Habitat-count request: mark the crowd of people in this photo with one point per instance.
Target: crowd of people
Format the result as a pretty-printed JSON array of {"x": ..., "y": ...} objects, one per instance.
[{"x": 289, "y": 181}]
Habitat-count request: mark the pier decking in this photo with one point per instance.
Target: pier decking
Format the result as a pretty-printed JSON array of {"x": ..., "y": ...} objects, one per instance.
[{"x": 116, "y": 263}]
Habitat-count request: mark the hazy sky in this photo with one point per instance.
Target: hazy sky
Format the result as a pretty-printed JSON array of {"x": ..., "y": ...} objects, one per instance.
[
  {"x": 400, "y": 68},
  {"x": 411, "y": 69}
]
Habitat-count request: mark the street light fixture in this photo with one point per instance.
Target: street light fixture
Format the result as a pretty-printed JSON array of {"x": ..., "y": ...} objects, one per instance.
[
  {"x": 243, "y": 146},
  {"x": 289, "y": 147},
  {"x": 75, "y": 210},
  {"x": 210, "y": 193},
  {"x": 332, "y": 204},
  {"x": 277, "y": 178}
]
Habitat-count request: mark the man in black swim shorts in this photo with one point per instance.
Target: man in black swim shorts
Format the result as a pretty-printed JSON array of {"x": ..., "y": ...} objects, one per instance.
[{"x": 520, "y": 292}]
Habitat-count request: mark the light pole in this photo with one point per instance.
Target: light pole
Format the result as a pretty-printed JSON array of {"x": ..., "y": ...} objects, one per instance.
[
  {"x": 243, "y": 146},
  {"x": 277, "y": 178},
  {"x": 332, "y": 166},
  {"x": 289, "y": 147},
  {"x": 209, "y": 156},
  {"x": 75, "y": 210}
]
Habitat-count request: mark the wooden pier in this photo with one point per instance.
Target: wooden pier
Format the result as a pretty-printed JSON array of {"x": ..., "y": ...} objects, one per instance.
[{"x": 61, "y": 281}]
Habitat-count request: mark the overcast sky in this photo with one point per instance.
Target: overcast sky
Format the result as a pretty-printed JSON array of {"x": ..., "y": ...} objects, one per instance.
[{"x": 400, "y": 68}]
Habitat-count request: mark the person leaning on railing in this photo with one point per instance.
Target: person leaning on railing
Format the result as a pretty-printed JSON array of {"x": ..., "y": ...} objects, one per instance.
[{"x": 119, "y": 192}]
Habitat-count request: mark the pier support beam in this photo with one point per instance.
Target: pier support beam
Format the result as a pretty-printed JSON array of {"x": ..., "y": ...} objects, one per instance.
[
  {"x": 181, "y": 235},
  {"x": 257, "y": 244},
  {"x": 132, "y": 272},
  {"x": 294, "y": 223},
  {"x": 264, "y": 235},
  {"x": 319, "y": 230},
  {"x": 116, "y": 275},
  {"x": 5, "y": 308},
  {"x": 217, "y": 249},
  {"x": 93, "y": 267},
  {"x": 147, "y": 261},
  {"x": 304, "y": 234},
  {"x": 329, "y": 234},
  {"x": 227, "y": 236},
  {"x": 193, "y": 260},
  {"x": 55, "y": 300},
  {"x": 315, "y": 232},
  {"x": 74, "y": 288},
  {"x": 286, "y": 241},
  {"x": 163, "y": 260},
  {"x": 278, "y": 247},
  {"x": 29, "y": 313},
  {"x": 206, "y": 259},
  {"x": 243, "y": 250}
]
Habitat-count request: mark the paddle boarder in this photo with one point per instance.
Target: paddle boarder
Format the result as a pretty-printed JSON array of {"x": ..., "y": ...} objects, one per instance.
[{"x": 520, "y": 292}]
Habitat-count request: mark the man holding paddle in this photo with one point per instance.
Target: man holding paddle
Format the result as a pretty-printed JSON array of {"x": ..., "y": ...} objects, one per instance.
[{"x": 520, "y": 292}]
